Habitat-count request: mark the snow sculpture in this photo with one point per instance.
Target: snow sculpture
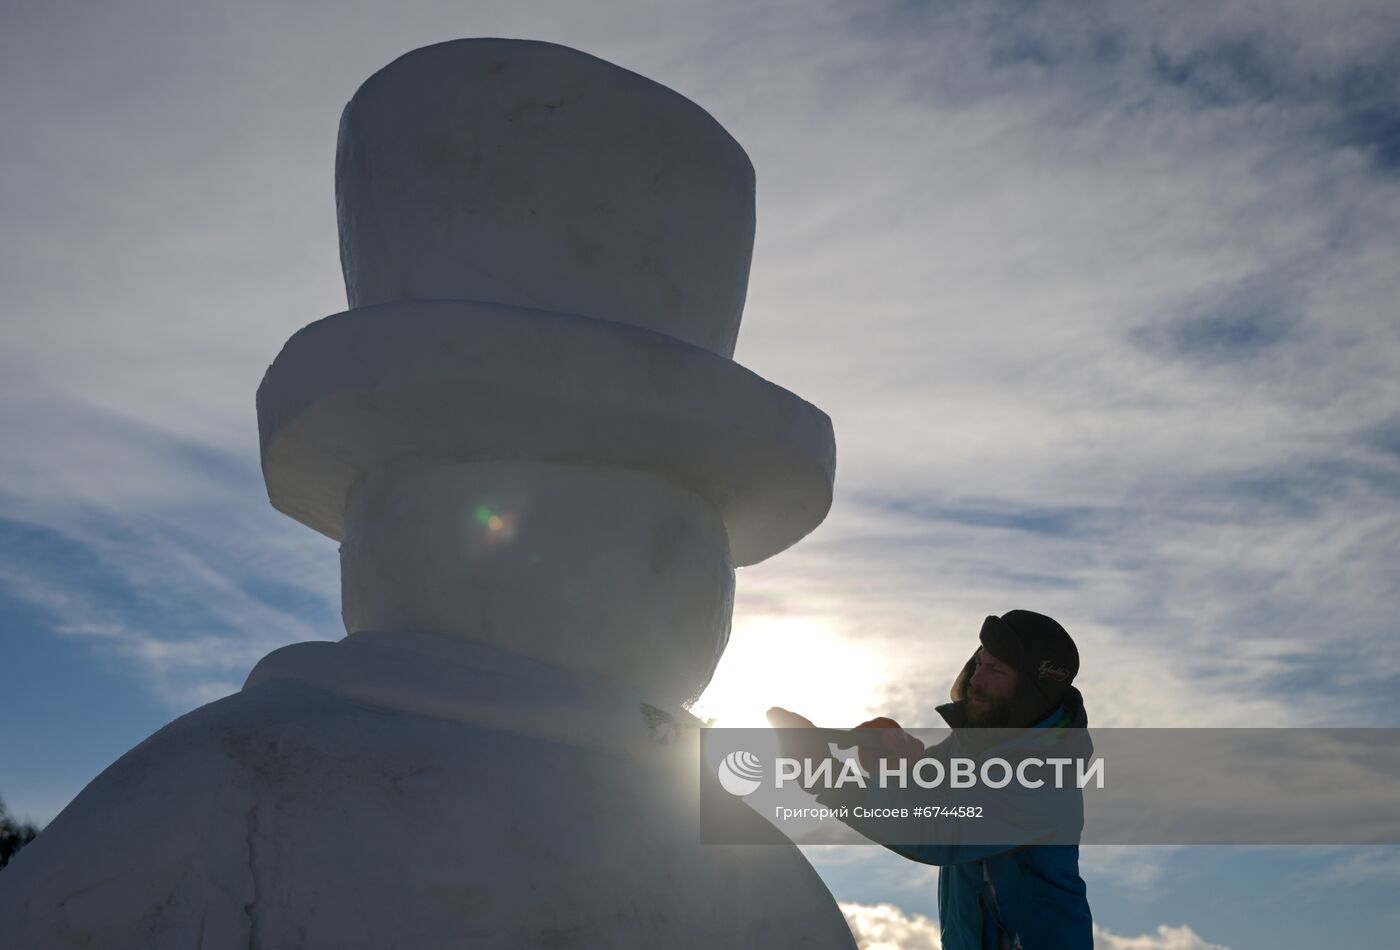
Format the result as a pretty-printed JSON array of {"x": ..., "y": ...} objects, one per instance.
[{"x": 543, "y": 466}]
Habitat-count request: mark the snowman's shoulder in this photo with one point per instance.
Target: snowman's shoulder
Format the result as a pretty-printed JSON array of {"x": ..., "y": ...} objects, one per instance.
[{"x": 157, "y": 850}]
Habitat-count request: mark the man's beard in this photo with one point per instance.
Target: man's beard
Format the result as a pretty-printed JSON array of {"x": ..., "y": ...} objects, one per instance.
[{"x": 994, "y": 716}]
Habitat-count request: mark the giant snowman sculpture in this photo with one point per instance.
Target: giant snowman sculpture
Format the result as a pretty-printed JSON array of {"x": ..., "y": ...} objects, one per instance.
[{"x": 543, "y": 466}]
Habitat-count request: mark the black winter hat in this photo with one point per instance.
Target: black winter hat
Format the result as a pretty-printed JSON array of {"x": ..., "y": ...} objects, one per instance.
[{"x": 1041, "y": 652}]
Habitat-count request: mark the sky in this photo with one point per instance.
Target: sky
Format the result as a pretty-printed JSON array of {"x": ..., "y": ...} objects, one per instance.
[{"x": 1101, "y": 299}]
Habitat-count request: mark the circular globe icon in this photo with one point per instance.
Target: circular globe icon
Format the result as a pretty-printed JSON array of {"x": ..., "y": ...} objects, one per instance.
[{"x": 740, "y": 773}]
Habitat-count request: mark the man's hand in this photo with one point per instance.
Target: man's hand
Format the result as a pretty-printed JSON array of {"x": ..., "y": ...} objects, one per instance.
[
  {"x": 794, "y": 739},
  {"x": 780, "y": 718},
  {"x": 892, "y": 744}
]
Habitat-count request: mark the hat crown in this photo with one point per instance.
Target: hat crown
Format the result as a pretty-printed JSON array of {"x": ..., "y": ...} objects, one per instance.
[
  {"x": 532, "y": 174},
  {"x": 1048, "y": 651}
]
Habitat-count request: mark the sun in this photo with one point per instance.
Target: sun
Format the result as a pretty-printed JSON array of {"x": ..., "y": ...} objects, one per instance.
[{"x": 798, "y": 662}]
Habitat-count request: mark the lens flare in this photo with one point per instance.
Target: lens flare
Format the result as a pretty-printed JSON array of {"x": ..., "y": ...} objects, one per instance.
[{"x": 495, "y": 524}]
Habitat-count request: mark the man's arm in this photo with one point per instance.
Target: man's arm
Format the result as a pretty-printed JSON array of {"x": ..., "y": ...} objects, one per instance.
[{"x": 1005, "y": 819}]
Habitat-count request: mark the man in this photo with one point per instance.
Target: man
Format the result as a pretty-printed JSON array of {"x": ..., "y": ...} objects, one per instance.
[{"x": 993, "y": 896}]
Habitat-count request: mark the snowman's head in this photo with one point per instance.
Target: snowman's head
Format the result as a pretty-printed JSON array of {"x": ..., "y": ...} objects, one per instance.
[{"x": 614, "y": 572}]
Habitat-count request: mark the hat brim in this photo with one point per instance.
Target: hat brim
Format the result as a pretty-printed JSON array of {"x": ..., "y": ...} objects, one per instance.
[{"x": 461, "y": 381}]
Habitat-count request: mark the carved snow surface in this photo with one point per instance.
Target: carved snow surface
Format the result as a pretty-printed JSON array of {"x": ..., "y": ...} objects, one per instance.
[{"x": 402, "y": 790}]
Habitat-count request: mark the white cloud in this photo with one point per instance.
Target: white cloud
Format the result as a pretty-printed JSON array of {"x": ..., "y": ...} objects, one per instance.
[
  {"x": 1165, "y": 938},
  {"x": 861, "y": 873},
  {"x": 886, "y": 927}
]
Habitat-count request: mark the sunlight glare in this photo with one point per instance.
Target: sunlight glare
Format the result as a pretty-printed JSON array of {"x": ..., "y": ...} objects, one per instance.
[{"x": 799, "y": 663}]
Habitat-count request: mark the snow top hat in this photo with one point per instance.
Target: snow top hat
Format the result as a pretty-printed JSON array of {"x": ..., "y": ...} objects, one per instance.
[{"x": 546, "y": 258}]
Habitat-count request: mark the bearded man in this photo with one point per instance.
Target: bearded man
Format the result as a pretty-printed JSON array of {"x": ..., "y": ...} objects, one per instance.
[{"x": 1026, "y": 891}]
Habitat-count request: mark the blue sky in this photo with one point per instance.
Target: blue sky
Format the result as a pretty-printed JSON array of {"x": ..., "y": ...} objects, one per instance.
[{"x": 1101, "y": 299}]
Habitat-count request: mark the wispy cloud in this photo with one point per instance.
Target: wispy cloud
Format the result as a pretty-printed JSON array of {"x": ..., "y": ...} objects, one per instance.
[
  {"x": 162, "y": 553},
  {"x": 1138, "y": 869},
  {"x": 1098, "y": 303},
  {"x": 1100, "y": 298},
  {"x": 1355, "y": 866}
]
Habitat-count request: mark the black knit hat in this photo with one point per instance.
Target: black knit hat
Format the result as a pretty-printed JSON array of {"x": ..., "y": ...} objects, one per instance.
[{"x": 1043, "y": 655}]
